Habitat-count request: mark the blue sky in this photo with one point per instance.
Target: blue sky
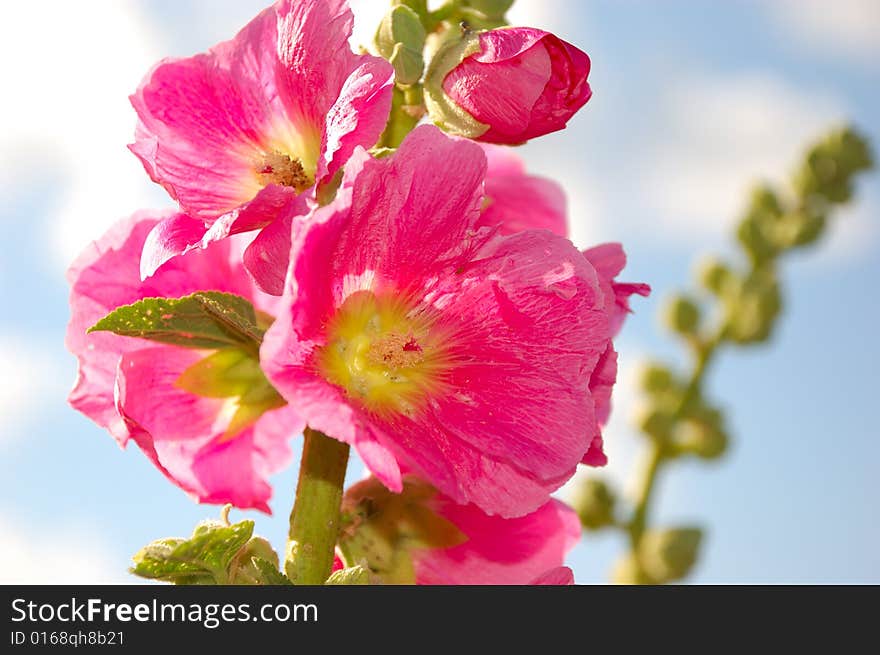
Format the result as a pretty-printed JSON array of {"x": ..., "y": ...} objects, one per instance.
[{"x": 693, "y": 101}]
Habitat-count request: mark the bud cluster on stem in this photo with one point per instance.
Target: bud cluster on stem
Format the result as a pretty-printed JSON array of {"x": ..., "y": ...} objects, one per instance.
[{"x": 677, "y": 419}]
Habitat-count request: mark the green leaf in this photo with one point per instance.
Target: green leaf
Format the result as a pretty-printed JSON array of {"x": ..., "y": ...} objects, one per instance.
[
  {"x": 204, "y": 558},
  {"x": 270, "y": 574},
  {"x": 356, "y": 575},
  {"x": 205, "y": 319}
]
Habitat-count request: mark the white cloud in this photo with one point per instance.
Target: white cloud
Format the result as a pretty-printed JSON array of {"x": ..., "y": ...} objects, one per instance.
[
  {"x": 68, "y": 70},
  {"x": 63, "y": 555},
  {"x": 31, "y": 379},
  {"x": 849, "y": 28},
  {"x": 720, "y": 136}
]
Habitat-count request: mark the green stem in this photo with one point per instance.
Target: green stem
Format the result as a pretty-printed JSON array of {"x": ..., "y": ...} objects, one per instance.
[
  {"x": 657, "y": 455},
  {"x": 314, "y": 521},
  {"x": 636, "y": 526}
]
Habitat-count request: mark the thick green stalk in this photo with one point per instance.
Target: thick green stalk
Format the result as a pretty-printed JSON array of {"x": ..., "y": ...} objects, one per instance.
[{"x": 314, "y": 521}]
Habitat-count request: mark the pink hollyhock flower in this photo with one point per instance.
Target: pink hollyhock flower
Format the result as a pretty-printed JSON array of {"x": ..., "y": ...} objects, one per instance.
[
  {"x": 422, "y": 537},
  {"x": 237, "y": 134},
  {"x": 137, "y": 390},
  {"x": 518, "y": 201},
  {"x": 462, "y": 355},
  {"x": 520, "y": 83},
  {"x": 609, "y": 260}
]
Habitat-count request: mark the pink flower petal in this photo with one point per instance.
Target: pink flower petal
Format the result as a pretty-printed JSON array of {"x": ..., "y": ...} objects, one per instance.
[
  {"x": 106, "y": 276},
  {"x": 500, "y": 551},
  {"x": 559, "y": 576},
  {"x": 609, "y": 260},
  {"x": 186, "y": 432},
  {"x": 287, "y": 84},
  {"x": 518, "y": 201},
  {"x": 509, "y": 428}
]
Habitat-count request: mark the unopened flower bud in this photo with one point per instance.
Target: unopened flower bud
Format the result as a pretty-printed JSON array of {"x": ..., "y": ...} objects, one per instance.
[
  {"x": 628, "y": 571},
  {"x": 401, "y": 26},
  {"x": 668, "y": 555},
  {"x": 244, "y": 570},
  {"x": 752, "y": 313},
  {"x": 656, "y": 378},
  {"x": 594, "y": 504},
  {"x": 682, "y": 315},
  {"x": 656, "y": 422},
  {"x": 701, "y": 439},
  {"x": 356, "y": 575},
  {"x": 496, "y": 86},
  {"x": 494, "y": 9},
  {"x": 408, "y": 64},
  {"x": 714, "y": 275}
]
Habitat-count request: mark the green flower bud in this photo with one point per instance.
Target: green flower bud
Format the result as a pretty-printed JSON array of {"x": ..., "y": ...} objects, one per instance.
[
  {"x": 669, "y": 555},
  {"x": 831, "y": 165},
  {"x": 655, "y": 422},
  {"x": 401, "y": 26},
  {"x": 807, "y": 229},
  {"x": 244, "y": 570},
  {"x": 418, "y": 6},
  {"x": 656, "y": 378},
  {"x": 752, "y": 313},
  {"x": 682, "y": 315},
  {"x": 594, "y": 504},
  {"x": 700, "y": 438},
  {"x": 356, "y": 575},
  {"x": 714, "y": 275},
  {"x": 627, "y": 571},
  {"x": 408, "y": 64},
  {"x": 495, "y": 9}
]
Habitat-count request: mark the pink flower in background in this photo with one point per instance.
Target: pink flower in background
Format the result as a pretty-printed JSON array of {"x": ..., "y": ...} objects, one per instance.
[
  {"x": 237, "y": 135},
  {"x": 423, "y": 537},
  {"x": 518, "y": 201},
  {"x": 609, "y": 260},
  {"x": 561, "y": 575},
  {"x": 135, "y": 388},
  {"x": 459, "y": 354},
  {"x": 523, "y": 83}
]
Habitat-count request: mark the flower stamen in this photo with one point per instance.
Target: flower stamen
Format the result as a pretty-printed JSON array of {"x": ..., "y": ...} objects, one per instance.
[{"x": 278, "y": 168}]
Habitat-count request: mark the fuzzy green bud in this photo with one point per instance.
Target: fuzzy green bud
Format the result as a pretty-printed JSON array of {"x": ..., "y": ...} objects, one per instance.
[
  {"x": 700, "y": 438},
  {"x": 752, "y": 313},
  {"x": 682, "y": 315},
  {"x": 714, "y": 275},
  {"x": 493, "y": 9},
  {"x": 669, "y": 555},
  {"x": 655, "y": 422},
  {"x": 401, "y": 40},
  {"x": 594, "y": 504},
  {"x": 628, "y": 571},
  {"x": 401, "y": 25},
  {"x": 656, "y": 378}
]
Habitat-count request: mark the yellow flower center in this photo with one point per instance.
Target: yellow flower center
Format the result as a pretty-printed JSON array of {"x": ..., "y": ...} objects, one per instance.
[
  {"x": 384, "y": 353},
  {"x": 278, "y": 168}
]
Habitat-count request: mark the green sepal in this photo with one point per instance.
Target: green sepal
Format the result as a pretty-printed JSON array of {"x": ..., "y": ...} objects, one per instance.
[
  {"x": 356, "y": 575},
  {"x": 442, "y": 110}
]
